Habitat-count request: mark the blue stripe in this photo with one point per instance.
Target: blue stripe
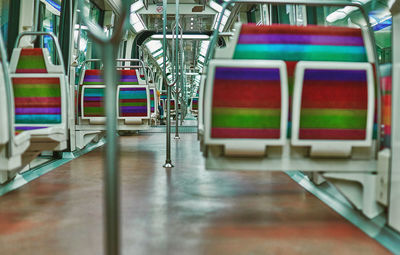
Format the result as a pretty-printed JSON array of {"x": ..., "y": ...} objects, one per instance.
[{"x": 37, "y": 118}]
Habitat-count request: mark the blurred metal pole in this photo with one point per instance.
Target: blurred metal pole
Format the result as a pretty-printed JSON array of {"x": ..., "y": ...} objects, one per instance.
[
  {"x": 168, "y": 162},
  {"x": 111, "y": 173},
  {"x": 177, "y": 66}
]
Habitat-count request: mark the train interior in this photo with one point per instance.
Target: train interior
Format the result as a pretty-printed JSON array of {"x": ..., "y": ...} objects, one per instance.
[{"x": 199, "y": 127}]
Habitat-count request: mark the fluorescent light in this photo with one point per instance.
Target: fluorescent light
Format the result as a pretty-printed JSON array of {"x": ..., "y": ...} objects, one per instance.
[
  {"x": 215, "y": 6},
  {"x": 137, "y": 6},
  {"x": 153, "y": 45},
  {"x": 185, "y": 37}
]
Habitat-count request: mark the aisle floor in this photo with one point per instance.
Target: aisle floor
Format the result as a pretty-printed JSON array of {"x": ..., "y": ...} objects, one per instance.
[{"x": 185, "y": 210}]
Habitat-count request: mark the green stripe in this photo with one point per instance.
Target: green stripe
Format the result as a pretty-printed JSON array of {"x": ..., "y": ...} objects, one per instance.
[
  {"x": 35, "y": 92},
  {"x": 133, "y": 104},
  {"x": 128, "y": 83},
  {"x": 245, "y": 118},
  {"x": 333, "y": 118},
  {"x": 94, "y": 110},
  {"x": 31, "y": 62},
  {"x": 93, "y": 83},
  {"x": 297, "y": 53}
]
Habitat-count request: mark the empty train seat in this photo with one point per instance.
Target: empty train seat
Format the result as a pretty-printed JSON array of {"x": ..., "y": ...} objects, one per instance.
[
  {"x": 254, "y": 113},
  {"x": 40, "y": 100},
  {"x": 320, "y": 127},
  {"x": 386, "y": 103},
  {"x": 133, "y": 104},
  {"x": 12, "y": 144},
  {"x": 194, "y": 105}
]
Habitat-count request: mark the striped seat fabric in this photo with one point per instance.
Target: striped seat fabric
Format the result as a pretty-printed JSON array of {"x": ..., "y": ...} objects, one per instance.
[
  {"x": 386, "y": 101},
  {"x": 20, "y": 129},
  {"x": 37, "y": 100},
  {"x": 132, "y": 102},
  {"x": 172, "y": 104},
  {"x": 313, "y": 43},
  {"x": 334, "y": 105},
  {"x": 246, "y": 103},
  {"x": 195, "y": 104},
  {"x": 296, "y": 43},
  {"x": 128, "y": 77},
  {"x": 93, "y": 102},
  {"x": 152, "y": 100},
  {"x": 93, "y": 77},
  {"x": 300, "y": 43},
  {"x": 31, "y": 61}
]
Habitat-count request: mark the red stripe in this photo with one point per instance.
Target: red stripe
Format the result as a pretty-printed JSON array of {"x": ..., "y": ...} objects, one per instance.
[
  {"x": 327, "y": 94},
  {"x": 133, "y": 100},
  {"x": 290, "y": 67},
  {"x": 20, "y": 70},
  {"x": 32, "y": 52},
  {"x": 32, "y": 80},
  {"x": 93, "y": 104},
  {"x": 243, "y": 133},
  {"x": 93, "y": 72},
  {"x": 255, "y": 94},
  {"x": 128, "y": 72},
  {"x": 386, "y": 83},
  {"x": 37, "y": 101},
  {"x": 300, "y": 30},
  {"x": 134, "y": 114},
  {"x": 332, "y": 134}
]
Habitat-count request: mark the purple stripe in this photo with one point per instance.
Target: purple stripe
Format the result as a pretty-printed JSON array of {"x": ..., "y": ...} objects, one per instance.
[
  {"x": 129, "y": 77},
  {"x": 93, "y": 98},
  {"x": 335, "y": 75},
  {"x": 28, "y": 128},
  {"x": 37, "y": 110},
  {"x": 133, "y": 89},
  {"x": 259, "y": 74},
  {"x": 301, "y": 39},
  {"x": 130, "y": 109}
]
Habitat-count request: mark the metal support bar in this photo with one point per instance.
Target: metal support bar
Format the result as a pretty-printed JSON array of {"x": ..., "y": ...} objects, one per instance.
[
  {"x": 109, "y": 48},
  {"x": 168, "y": 162}
]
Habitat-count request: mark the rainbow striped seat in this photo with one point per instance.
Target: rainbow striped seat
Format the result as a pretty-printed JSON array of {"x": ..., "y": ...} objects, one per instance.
[
  {"x": 93, "y": 77},
  {"x": 37, "y": 100},
  {"x": 128, "y": 77},
  {"x": 333, "y": 106},
  {"x": 153, "y": 100},
  {"x": 40, "y": 98},
  {"x": 246, "y": 103},
  {"x": 194, "y": 104},
  {"x": 93, "y": 102},
  {"x": 31, "y": 61},
  {"x": 386, "y": 101},
  {"x": 133, "y": 102}
]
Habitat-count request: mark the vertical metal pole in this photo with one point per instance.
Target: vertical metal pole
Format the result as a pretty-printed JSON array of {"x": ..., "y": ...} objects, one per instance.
[
  {"x": 168, "y": 162},
  {"x": 111, "y": 171},
  {"x": 183, "y": 108},
  {"x": 177, "y": 66}
]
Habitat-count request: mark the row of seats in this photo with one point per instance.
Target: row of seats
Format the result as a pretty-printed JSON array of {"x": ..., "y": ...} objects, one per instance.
[
  {"x": 307, "y": 86},
  {"x": 137, "y": 103}
]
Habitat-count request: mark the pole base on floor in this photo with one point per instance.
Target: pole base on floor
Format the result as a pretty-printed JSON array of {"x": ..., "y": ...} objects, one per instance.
[
  {"x": 177, "y": 138},
  {"x": 168, "y": 165}
]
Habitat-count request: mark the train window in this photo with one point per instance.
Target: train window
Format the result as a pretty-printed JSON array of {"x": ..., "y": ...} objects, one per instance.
[
  {"x": 4, "y": 10},
  {"x": 49, "y": 21}
]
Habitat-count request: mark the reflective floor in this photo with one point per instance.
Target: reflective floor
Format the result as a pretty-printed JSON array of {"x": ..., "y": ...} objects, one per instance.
[{"x": 185, "y": 210}]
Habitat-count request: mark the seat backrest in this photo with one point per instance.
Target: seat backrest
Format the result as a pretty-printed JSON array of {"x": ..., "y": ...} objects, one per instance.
[
  {"x": 300, "y": 43},
  {"x": 92, "y": 101},
  {"x": 40, "y": 89},
  {"x": 194, "y": 104},
  {"x": 92, "y": 77},
  {"x": 133, "y": 102},
  {"x": 4, "y": 108},
  {"x": 153, "y": 100},
  {"x": 386, "y": 102},
  {"x": 128, "y": 77}
]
